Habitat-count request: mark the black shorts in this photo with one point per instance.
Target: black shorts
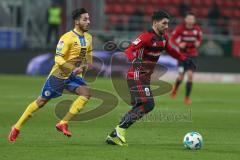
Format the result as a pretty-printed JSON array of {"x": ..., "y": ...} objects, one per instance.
[
  {"x": 183, "y": 66},
  {"x": 140, "y": 91}
]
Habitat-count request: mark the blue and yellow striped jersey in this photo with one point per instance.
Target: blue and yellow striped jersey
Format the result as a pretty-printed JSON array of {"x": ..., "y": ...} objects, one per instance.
[{"x": 73, "y": 50}]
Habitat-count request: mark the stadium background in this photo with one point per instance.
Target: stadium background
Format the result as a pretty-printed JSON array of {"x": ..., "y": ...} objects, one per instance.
[
  {"x": 26, "y": 58},
  {"x": 24, "y": 28}
]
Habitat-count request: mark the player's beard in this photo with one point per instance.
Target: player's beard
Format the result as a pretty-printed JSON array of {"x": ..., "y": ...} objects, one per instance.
[
  {"x": 84, "y": 29},
  {"x": 162, "y": 30}
]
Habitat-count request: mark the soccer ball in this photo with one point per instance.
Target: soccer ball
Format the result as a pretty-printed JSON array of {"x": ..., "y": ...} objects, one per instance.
[{"x": 193, "y": 141}]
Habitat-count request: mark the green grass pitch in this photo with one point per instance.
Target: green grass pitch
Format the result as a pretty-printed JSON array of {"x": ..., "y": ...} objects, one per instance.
[{"x": 215, "y": 113}]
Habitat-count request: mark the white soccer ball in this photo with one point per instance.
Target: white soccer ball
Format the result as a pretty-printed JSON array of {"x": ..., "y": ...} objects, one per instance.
[{"x": 193, "y": 141}]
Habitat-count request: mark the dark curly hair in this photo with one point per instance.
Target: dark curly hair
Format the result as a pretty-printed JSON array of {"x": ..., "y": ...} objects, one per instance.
[
  {"x": 159, "y": 15},
  {"x": 78, "y": 12}
]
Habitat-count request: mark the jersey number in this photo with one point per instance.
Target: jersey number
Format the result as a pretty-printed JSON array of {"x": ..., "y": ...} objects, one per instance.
[{"x": 147, "y": 91}]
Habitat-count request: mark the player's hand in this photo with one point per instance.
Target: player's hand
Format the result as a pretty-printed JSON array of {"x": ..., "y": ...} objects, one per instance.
[
  {"x": 182, "y": 45},
  {"x": 77, "y": 71},
  {"x": 189, "y": 62},
  {"x": 90, "y": 66},
  {"x": 137, "y": 62}
]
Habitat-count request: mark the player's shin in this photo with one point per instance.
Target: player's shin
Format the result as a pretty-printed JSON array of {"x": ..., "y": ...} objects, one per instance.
[
  {"x": 131, "y": 117},
  {"x": 136, "y": 113},
  {"x": 177, "y": 84},
  {"x": 76, "y": 107},
  {"x": 175, "y": 87},
  {"x": 27, "y": 114},
  {"x": 188, "y": 88}
]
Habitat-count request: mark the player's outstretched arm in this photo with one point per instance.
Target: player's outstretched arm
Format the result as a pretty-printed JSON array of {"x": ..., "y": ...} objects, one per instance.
[{"x": 174, "y": 53}]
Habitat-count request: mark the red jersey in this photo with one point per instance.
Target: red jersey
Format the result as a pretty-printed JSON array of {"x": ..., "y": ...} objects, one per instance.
[
  {"x": 148, "y": 47},
  {"x": 189, "y": 36}
]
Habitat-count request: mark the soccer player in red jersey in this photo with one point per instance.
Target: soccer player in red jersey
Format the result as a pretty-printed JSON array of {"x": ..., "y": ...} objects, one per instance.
[
  {"x": 144, "y": 53},
  {"x": 187, "y": 37}
]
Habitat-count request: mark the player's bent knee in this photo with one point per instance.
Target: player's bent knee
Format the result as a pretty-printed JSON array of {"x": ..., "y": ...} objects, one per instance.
[
  {"x": 83, "y": 91},
  {"x": 41, "y": 101},
  {"x": 86, "y": 93},
  {"x": 88, "y": 96},
  {"x": 190, "y": 77},
  {"x": 148, "y": 106}
]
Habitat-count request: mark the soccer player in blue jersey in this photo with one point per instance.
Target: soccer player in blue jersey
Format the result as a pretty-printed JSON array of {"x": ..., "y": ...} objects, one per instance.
[{"x": 73, "y": 55}]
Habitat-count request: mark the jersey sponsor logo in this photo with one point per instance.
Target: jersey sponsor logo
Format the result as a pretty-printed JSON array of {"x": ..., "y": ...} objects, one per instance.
[
  {"x": 190, "y": 39},
  {"x": 154, "y": 54},
  {"x": 47, "y": 93},
  {"x": 137, "y": 41},
  {"x": 83, "y": 52}
]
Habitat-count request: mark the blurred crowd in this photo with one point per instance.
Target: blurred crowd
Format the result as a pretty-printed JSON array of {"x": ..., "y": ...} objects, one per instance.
[{"x": 214, "y": 19}]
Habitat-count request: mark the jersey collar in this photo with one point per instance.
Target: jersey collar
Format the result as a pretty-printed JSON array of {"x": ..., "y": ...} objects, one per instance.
[
  {"x": 151, "y": 30},
  {"x": 78, "y": 33}
]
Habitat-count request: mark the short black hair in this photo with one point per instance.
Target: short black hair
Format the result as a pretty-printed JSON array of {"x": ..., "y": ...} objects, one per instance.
[
  {"x": 78, "y": 12},
  {"x": 159, "y": 15},
  {"x": 190, "y": 14}
]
